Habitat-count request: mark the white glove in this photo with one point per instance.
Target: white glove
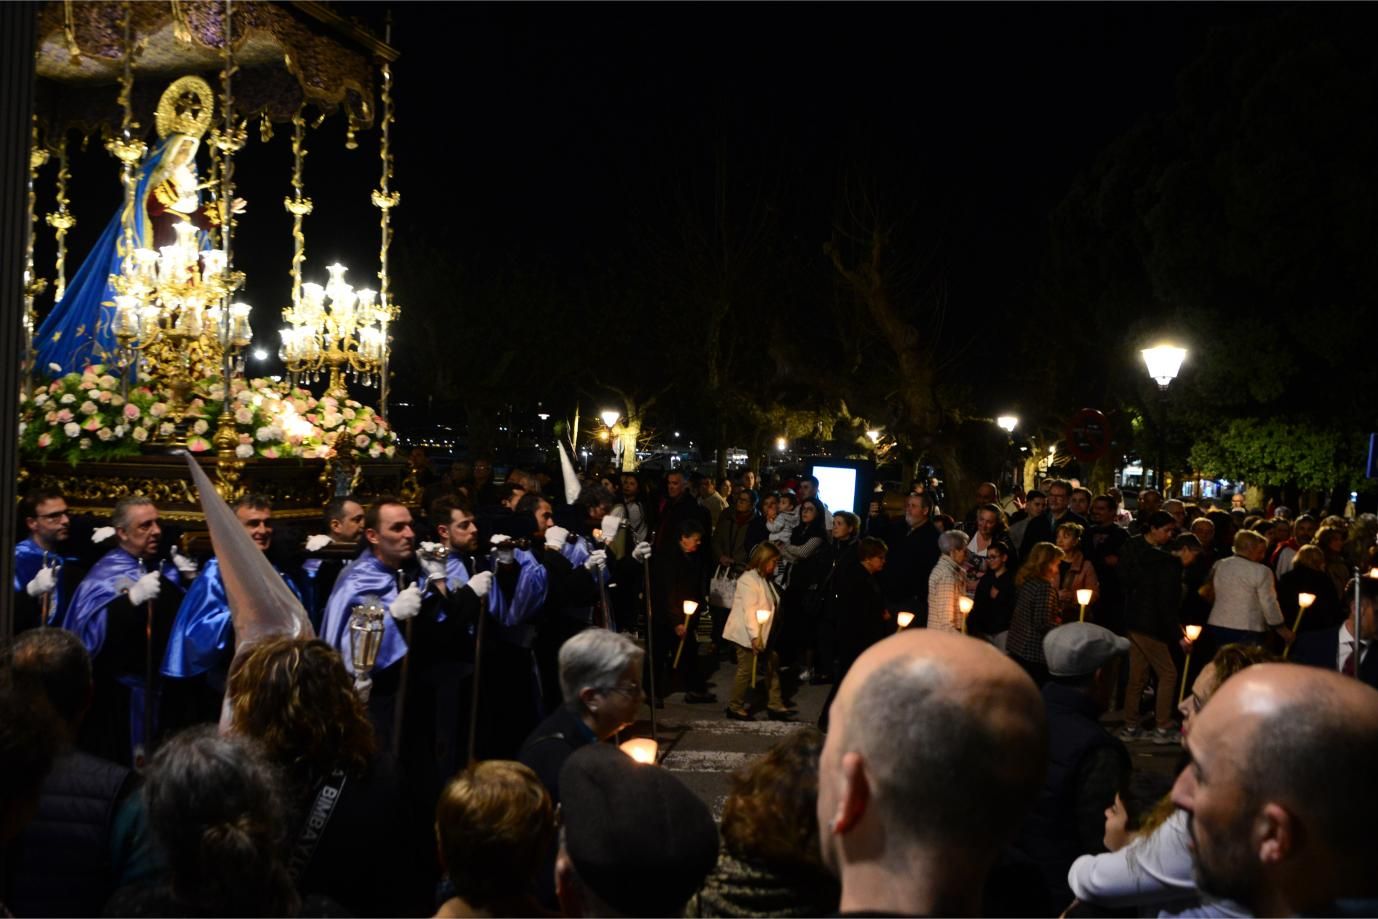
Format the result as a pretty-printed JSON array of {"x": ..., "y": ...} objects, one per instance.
[
  {"x": 101, "y": 534},
  {"x": 363, "y": 686},
  {"x": 434, "y": 567},
  {"x": 407, "y": 604},
  {"x": 42, "y": 582},
  {"x": 481, "y": 583},
  {"x": 555, "y": 538},
  {"x": 642, "y": 551},
  {"x": 610, "y": 526},
  {"x": 186, "y": 567},
  {"x": 498, "y": 539},
  {"x": 596, "y": 560},
  {"x": 317, "y": 542},
  {"x": 146, "y": 588}
]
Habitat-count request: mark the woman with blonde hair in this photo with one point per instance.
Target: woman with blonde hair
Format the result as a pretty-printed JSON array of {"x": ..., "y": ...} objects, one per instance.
[
  {"x": 1035, "y": 609},
  {"x": 755, "y": 592},
  {"x": 494, "y": 825}
]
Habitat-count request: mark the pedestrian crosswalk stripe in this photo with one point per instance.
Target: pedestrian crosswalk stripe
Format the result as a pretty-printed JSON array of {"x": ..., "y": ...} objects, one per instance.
[{"x": 705, "y": 760}]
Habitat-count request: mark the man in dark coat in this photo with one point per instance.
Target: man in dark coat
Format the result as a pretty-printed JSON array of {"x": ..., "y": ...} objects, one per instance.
[
  {"x": 1334, "y": 648},
  {"x": 677, "y": 506},
  {"x": 1086, "y": 766},
  {"x": 913, "y": 544},
  {"x": 679, "y": 576},
  {"x": 858, "y": 606}
]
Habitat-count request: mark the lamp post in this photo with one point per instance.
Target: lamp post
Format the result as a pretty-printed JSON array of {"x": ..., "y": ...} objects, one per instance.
[
  {"x": 1008, "y": 423},
  {"x": 1163, "y": 362}
]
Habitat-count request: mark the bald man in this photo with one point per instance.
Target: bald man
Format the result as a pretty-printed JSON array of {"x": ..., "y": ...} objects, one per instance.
[
  {"x": 936, "y": 750},
  {"x": 1281, "y": 812}
]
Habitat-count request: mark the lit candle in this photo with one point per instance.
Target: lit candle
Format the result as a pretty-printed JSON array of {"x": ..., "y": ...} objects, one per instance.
[
  {"x": 904, "y": 619},
  {"x": 762, "y": 617},
  {"x": 689, "y": 607},
  {"x": 641, "y": 749},
  {"x": 964, "y": 605},
  {"x": 1084, "y": 600},
  {"x": 126, "y": 316},
  {"x": 1193, "y": 633},
  {"x": 1304, "y": 602}
]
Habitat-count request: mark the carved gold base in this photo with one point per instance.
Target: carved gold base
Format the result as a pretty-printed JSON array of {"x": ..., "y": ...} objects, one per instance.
[{"x": 298, "y": 488}]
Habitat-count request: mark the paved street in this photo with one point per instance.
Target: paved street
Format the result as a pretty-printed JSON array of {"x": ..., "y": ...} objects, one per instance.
[{"x": 703, "y": 747}]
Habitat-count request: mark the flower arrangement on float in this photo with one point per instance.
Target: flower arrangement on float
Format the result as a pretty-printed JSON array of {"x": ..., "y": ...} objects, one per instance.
[{"x": 86, "y": 416}]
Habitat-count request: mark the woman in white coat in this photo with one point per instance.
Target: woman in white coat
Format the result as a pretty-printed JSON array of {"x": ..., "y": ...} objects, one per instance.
[{"x": 755, "y": 592}]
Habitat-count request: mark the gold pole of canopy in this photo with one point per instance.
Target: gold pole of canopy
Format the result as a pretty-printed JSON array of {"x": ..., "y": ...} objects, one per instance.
[{"x": 385, "y": 199}]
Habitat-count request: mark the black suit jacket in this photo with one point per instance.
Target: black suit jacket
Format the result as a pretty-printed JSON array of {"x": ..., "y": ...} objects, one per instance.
[{"x": 1320, "y": 649}]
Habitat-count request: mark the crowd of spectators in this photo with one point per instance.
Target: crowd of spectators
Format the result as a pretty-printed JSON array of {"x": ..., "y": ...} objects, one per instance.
[{"x": 968, "y": 761}]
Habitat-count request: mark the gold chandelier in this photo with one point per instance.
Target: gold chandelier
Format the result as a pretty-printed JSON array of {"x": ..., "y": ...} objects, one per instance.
[{"x": 336, "y": 329}]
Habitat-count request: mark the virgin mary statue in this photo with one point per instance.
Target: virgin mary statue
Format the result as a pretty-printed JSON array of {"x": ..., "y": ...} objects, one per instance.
[{"x": 79, "y": 329}]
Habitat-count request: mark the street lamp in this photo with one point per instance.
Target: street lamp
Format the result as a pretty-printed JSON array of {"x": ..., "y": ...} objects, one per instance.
[
  {"x": 1008, "y": 423},
  {"x": 609, "y": 417},
  {"x": 1163, "y": 362},
  {"x": 780, "y": 444}
]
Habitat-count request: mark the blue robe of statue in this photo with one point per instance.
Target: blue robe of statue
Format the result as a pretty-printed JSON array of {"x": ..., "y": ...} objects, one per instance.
[
  {"x": 28, "y": 558},
  {"x": 202, "y": 634},
  {"x": 79, "y": 330}
]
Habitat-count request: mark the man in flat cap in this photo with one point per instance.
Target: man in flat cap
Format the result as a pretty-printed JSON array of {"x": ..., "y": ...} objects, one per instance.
[
  {"x": 635, "y": 842},
  {"x": 1086, "y": 766}
]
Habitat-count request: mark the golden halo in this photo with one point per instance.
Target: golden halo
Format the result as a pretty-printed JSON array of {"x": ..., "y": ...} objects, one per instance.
[{"x": 186, "y": 107}]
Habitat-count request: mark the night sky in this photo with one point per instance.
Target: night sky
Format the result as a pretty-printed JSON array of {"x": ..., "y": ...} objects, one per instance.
[{"x": 548, "y": 136}]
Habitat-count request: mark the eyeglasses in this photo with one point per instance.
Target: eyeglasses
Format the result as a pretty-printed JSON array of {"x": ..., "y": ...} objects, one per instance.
[{"x": 631, "y": 690}]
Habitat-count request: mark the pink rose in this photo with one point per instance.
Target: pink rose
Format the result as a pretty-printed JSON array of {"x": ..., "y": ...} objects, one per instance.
[
  {"x": 131, "y": 411},
  {"x": 45, "y": 440},
  {"x": 64, "y": 416}
]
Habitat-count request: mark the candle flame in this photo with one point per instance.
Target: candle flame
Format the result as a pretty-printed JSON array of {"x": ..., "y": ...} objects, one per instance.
[
  {"x": 1084, "y": 596},
  {"x": 904, "y": 619},
  {"x": 964, "y": 604},
  {"x": 1193, "y": 632},
  {"x": 763, "y": 616},
  {"x": 641, "y": 749},
  {"x": 689, "y": 607},
  {"x": 1305, "y": 600}
]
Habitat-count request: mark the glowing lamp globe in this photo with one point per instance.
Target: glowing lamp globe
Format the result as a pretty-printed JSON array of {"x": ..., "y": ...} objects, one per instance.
[{"x": 1163, "y": 362}]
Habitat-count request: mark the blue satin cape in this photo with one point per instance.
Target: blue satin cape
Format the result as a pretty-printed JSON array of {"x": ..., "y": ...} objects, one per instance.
[{"x": 201, "y": 633}]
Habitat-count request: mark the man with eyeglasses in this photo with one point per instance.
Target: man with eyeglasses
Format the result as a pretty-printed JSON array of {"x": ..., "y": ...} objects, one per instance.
[{"x": 44, "y": 576}]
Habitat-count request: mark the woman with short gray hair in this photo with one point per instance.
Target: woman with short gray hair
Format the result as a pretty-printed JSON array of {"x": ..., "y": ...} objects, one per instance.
[
  {"x": 600, "y": 677},
  {"x": 948, "y": 582}
]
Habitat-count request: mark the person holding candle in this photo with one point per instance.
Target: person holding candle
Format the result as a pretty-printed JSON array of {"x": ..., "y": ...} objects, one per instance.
[
  {"x": 1075, "y": 573},
  {"x": 947, "y": 582},
  {"x": 1307, "y": 575},
  {"x": 679, "y": 576},
  {"x": 995, "y": 596},
  {"x": 755, "y": 592},
  {"x": 1333, "y": 648}
]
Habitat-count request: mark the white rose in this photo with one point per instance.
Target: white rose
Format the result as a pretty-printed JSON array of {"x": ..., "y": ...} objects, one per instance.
[
  {"x": 67, "y": 399},
  {"x": 244, "y": 451},
  {"x": 105, "y": 434},
  {"x": 200, "y": 427},
  {"x": 121, "y": 430},
  {"x": 140, "y": 434},
  {"x": 166, "y": 428},
  {"x": 264, "y": 434},
  {"x": 40, "y": 398},
  {"x": 361, "y": 441},
  {"x": 71, "y": 429},
  {"x": 87, "y": 408}
]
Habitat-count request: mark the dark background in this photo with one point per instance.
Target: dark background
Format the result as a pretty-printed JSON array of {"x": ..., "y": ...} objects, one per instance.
[{"x": 1035, "y": 163}]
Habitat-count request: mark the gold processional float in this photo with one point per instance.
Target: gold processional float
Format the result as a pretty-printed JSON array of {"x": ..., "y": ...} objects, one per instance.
[{"x": 130, "y": 361}]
